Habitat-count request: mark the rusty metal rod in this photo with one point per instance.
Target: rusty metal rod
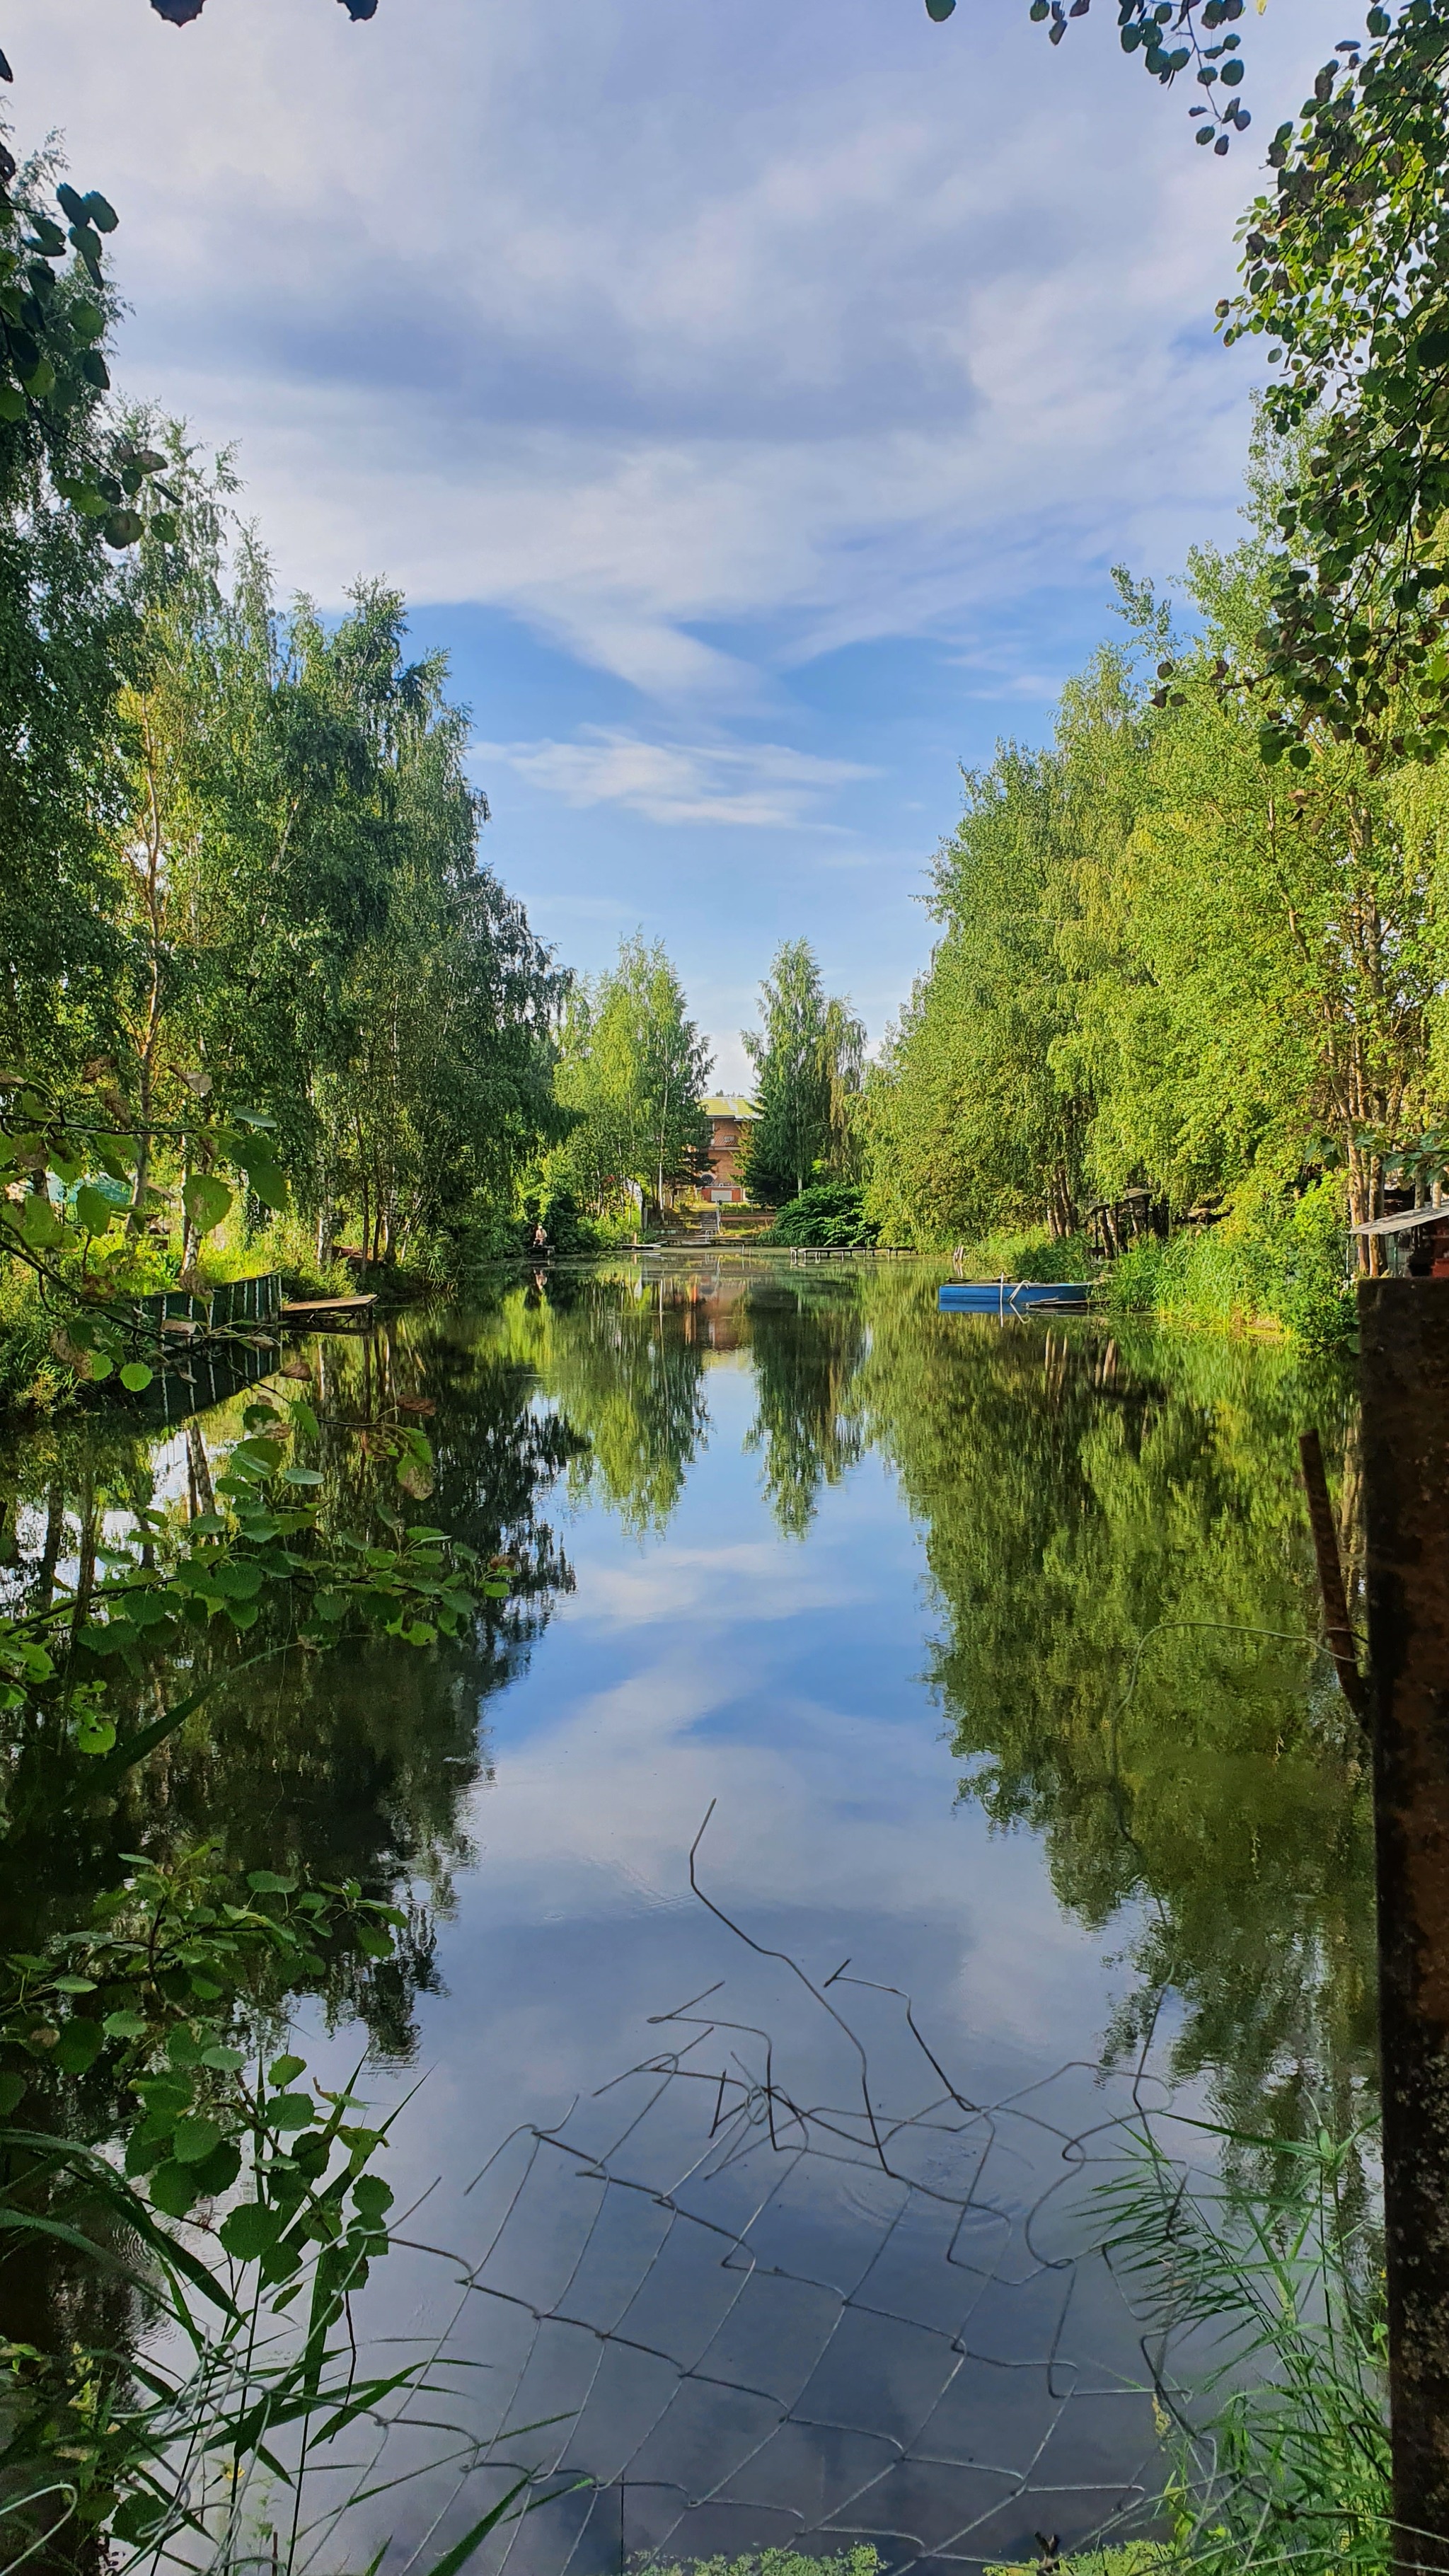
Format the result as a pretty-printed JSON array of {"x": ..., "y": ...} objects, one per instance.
[
  {"x": 1404, "y": 1386},
  {"x": 1341, "y": 1641}
]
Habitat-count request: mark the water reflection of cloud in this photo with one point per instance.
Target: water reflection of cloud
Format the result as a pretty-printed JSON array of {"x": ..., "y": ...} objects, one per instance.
[{"x": 720, "y": 1586}]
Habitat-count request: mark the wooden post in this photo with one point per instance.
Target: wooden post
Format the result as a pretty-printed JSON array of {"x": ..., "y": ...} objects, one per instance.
[{"x": 1404, "y": 1384}]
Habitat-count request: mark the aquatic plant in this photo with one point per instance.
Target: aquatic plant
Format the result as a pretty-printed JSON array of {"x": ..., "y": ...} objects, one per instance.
[
  {"x": 207, "y": 2218},
  {"x": 1262, "y": 2285}
]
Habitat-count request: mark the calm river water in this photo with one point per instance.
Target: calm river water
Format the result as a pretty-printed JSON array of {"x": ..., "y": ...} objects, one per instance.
[{"x": 974, "y": 1663}]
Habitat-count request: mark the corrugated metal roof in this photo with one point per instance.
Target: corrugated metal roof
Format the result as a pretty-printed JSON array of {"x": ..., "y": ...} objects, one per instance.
[
  {"x": 728, "y": 1105},
  {"x": 1404, "y": 1222}
]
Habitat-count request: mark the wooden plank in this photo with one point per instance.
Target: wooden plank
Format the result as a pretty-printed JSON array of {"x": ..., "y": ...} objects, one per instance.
[{"x": 299, "y": 1306}]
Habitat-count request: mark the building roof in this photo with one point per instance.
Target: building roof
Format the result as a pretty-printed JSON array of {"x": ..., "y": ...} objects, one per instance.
[
  {"x": 729, "y": 1105},
  {"x": 1405, "y": 1222}
]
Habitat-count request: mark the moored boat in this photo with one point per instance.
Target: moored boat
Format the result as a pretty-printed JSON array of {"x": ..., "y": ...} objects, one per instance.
[{"x": 1011, "y": 1296}]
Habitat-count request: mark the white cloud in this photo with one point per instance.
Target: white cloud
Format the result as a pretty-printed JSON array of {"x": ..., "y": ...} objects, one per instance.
[
  {"x": 765, "y": 786},
  {"x": 832, "y": 325}
]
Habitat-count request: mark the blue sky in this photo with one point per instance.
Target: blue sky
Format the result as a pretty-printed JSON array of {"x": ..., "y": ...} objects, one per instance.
[{"x": 752, "y": 400}]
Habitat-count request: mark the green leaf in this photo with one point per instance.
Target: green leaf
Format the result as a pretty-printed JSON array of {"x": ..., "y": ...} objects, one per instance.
[
  {"x": 12, "y": 2091},
  {"x": 93, "y": 1208},
  {"x": 121, "y": 528},
  {"x": 206, "y": 1200},
  {"x": 99, "y": 211},
  {"x": 87, "y": 321},
  {"x": 251, "y": 2231},
  {"x": 125, "y": 2025},
  {"x": 39, "y": 1221},
  {"x": 265, "y": 1456},
  {"x": 174, "y": 2187},
  {"x": 238, "y": 1581},
  {"x": 300, "y": 1476},
  {"x": 79, "y": 2045},
  {"x": 285, "y": 2070},
  {"x": 289, "y": 2111},
  {"x": 265, "y": 1882},
  {"x": 218, "y": 2171},
  {"x": 137, "y": 2515},
  {"x": 462, "y": 2550},
  {"x": 12, "y": 402},
  {"x": 193, "y": 2140},
  {"x": 135, "y": 1375},
  {"x": 268, "y": 1182}
]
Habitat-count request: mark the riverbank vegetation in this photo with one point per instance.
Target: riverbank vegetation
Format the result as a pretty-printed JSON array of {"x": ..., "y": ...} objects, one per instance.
[
  {"x": 243, "y": 871},
  {"x": 631, "y": 1072},
  {"x": 1168, "y": 963}
]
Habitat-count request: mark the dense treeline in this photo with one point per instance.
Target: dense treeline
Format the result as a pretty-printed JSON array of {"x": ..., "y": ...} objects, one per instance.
[
  {"x": 632, "y": 1068},
  {"x": 1166, "y": 963},
  {"x": 242, "y": 864}
]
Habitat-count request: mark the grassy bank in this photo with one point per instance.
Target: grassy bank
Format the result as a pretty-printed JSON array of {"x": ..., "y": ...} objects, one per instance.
[
  {"x": 1269, "y": 1266},
  {"x": 1266, "y": 1266}
]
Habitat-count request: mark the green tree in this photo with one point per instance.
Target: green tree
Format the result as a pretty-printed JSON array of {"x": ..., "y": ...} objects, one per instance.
[
  {"x": 981, "y": 1111},
  {"x": 632, "y": 1071},
  {"x": 69, "y": 629},
  {"x": 1166, "y": 963},
  {"x": 303, "y": 901},
  {"x": 808, "y": 1057}
]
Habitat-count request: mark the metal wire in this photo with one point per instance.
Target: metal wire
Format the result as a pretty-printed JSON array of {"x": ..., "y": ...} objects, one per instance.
[{"x": 761, "y": 2319}]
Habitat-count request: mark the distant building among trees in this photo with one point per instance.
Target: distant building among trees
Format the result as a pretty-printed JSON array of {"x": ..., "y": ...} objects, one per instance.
[{"x": 731, "y": 1117}]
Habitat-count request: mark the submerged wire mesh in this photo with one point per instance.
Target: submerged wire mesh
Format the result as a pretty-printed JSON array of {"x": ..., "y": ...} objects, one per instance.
[
  {"x": 783, "y": 2282},
  {"x": 716, "y": 2309}
]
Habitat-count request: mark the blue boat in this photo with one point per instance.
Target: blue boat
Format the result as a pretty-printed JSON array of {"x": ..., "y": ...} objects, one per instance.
[{"x": 1011, "y": 1296}]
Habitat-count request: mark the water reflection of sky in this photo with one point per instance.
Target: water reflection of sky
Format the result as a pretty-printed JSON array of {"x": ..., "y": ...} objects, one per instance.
[
  {"x": 798, "y": 1557},
  {"x": 779, "y": 1682}
]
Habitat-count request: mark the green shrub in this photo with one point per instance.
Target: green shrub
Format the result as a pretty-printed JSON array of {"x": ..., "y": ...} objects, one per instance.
[
  {"x": 1315, "y": 1290},
  {"x": 1270, "y": 1261},
  {"x": 830, "y": 1215},
  {"x": 1035, "y": 1254},
  {"x": 30, "y": 1374}
]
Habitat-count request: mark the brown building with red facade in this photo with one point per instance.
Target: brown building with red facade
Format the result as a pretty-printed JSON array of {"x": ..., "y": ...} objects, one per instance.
[{"x": 730, "y": 1117}]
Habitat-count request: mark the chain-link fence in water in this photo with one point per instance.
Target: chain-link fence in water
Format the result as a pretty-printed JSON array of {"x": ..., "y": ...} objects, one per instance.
[{"x": 787, "y": 2281}]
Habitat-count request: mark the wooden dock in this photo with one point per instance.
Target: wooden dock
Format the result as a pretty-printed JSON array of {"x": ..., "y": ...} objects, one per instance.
[{"x": 328, "y": 1314}]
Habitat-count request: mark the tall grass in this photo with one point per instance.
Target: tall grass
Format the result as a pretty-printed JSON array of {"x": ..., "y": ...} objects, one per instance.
[
  {"x": 1265, "y": 2302},
  {"x": 1034, "y": 1254},
  {"x": 1268, "y": 1263}
]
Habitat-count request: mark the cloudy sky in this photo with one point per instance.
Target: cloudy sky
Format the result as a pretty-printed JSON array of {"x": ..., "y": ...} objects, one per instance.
[{"x": 752, "y": 399}]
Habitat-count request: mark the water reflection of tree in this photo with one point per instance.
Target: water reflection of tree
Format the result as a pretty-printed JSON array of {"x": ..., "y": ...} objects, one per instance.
[
  {"x": 353, "y": 1764},
  {"x": 807, "y": 1343},
  {"x": 1078, "y": 1499},
  {"x": 624, "y": 1361}
]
